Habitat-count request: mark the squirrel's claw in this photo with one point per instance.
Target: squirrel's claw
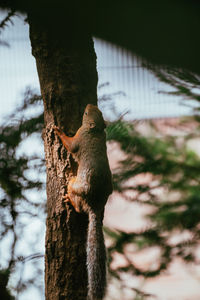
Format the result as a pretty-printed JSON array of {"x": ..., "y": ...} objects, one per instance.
[
  {"x": 57, "y": 130},
  {"x": 54, "y": 127},
  {"x": 66, "y": 198}
]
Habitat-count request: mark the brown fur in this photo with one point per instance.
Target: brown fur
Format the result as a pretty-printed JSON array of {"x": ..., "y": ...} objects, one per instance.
[{"x": 89, "y": 190}]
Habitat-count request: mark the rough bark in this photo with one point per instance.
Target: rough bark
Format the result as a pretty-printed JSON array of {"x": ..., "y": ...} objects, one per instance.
[{"x": 66, "y": 67}]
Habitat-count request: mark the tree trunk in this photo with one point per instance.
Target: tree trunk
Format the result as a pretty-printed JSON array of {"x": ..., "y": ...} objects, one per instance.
[{"x": 66, "y": 67}]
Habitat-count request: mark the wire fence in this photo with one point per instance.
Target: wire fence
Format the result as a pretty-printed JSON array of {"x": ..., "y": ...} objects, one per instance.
[
  {"x": 137, "y": 92},
  {"x": 141, "y": 92}
]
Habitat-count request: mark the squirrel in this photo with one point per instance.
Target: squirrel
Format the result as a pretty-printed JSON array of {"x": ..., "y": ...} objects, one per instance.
[{"x": 88, "y": 191}]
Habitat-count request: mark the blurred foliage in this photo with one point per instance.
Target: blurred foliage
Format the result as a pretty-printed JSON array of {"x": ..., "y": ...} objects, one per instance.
[
  {"x": 17, "y": 183},
  {"x": 4, "y": 23},
  {"x": 184, "y": 83},
  {"x": 4, "y": 292},
  {"x": 172, "y": 193},
  {"x": 175, "y": 173}
]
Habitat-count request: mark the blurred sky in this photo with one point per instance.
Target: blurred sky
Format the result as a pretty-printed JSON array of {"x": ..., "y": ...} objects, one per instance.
[{"x": 120, "y": 68}]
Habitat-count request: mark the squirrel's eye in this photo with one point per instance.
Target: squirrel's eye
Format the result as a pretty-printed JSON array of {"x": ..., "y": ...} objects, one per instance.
[{"x": 86, "y": 113}]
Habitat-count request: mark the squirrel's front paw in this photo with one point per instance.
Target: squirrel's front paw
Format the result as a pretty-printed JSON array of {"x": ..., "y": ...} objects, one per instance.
[
  {"x": 56, "y": 129},
  {"x": 66, "y": 198}
]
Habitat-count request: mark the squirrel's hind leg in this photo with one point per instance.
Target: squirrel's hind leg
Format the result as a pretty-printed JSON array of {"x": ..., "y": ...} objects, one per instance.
[
  {"x": 74, "y": 201},
  {"x": 72, "y": 197}
]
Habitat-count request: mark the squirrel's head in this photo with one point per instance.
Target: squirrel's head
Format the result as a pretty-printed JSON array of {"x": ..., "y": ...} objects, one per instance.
[{"x": 93, "y": 118}]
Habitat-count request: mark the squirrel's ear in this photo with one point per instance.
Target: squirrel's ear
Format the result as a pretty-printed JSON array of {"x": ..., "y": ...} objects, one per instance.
[{"x": 92, "y": 125}]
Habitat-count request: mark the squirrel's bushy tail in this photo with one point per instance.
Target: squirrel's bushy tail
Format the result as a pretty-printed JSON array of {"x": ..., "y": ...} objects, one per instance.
[{"x": 96, "y": 258}]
